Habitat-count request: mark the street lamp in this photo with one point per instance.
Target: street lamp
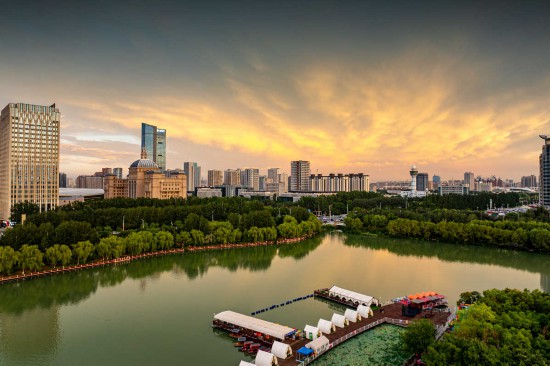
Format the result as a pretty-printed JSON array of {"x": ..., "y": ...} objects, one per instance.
[
  {"x": 123, "y": 222},
  {"x": 142, "y": 224}
]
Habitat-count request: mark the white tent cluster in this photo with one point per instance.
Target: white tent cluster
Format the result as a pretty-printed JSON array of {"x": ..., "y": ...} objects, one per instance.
[
  {"x": 311, "y": 332},
  {"x": 265, "y": 359},
  {"x": 326, "y": 326},
  {"x": 244, "y": 363},
  {"x": 278, "y": 350},
  {"x": 258, "y": 325},
  {"x": 281, "y": 350},
  {"x": 364, "y": 311},
  {"x": 352, "y": 315},
  {"x": 319, "y": 345},
  {"x": 339, "y": 320},
  {"x": 352, "y": 296}
]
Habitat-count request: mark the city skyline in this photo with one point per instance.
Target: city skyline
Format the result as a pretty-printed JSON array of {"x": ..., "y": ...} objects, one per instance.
[{"x": 351, "y": 87}]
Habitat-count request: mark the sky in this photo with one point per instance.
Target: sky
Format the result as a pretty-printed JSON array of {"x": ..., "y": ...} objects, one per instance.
[{"x": 351, "y": 86}]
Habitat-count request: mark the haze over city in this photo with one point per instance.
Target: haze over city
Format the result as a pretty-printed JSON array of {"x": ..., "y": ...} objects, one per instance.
[{"x": 351, "y": 87}]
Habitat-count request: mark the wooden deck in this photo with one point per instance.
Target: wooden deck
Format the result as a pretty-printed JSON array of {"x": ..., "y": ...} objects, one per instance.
[{"x": 388, "y": 314}]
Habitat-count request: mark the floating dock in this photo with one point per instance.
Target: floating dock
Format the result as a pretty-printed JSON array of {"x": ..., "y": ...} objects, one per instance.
[
  {"x": 346, "y": 297},
  {"x": 304, "y": 351},
  {"x": 259, "y": 330}
]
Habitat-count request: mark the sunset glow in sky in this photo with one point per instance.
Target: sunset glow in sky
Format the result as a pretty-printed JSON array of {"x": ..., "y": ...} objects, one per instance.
[{"x": 350, "y": 86}]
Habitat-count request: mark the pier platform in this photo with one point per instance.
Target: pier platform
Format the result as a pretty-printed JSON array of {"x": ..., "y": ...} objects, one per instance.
[{"x": 388, "y": 314}]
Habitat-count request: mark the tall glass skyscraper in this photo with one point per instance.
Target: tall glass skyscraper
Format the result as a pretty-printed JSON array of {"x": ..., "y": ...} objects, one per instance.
[
  {"x": 153, "y": 140},
  {"x": 193, "y": 172},
  {"x": 160, "y": 155},
  {"x": 544, "y": 178}
]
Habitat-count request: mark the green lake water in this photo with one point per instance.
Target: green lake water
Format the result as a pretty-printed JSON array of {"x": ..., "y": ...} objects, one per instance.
[{"x": 159, "y": 311}]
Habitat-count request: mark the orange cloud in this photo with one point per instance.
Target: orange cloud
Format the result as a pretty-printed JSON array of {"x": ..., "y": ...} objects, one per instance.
[{"x": 422, "y": 106}]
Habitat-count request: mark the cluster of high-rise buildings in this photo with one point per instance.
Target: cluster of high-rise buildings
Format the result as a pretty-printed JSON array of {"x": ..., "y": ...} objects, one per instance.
[
  {"x": 29, "y": 147},
  {"x": 420, "y": 184},
  {"x": 250, "y": 181}
]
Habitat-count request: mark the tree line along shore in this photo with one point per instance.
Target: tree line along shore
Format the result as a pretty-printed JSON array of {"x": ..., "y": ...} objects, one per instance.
[
  {"x": 48, "y": 239},
  {"x": 106, "y": 229}
]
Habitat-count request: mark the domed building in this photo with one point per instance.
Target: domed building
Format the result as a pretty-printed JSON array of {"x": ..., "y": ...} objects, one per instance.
[{"x": 145, "y": 179}]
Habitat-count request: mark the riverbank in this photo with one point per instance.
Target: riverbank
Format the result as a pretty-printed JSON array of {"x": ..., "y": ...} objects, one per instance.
[{"x": 129, "y": 258}]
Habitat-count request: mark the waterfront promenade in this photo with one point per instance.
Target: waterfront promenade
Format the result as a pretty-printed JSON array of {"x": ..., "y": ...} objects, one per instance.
[
  {"x": 130, "y": 258},
  {"x": 78, "y": 267}
]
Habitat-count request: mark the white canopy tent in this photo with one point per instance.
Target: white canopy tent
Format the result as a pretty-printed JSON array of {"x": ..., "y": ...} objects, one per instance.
[
  {"x": 326, "y": 326},
  {"x": 311, "y": 332},
  {"x": 339, "y": 320},
  {"x": 265, "y": 359},
  {"x": 364, "y": 311},
  {"x": 352, "y": 315},
  {"x": 244, "y": 363},
  {"x": 319, "y": 345},
  {"x": 353, "y": 296},
  {"x": 281, "y": 350},
  {"x": 257, "y": 325}
]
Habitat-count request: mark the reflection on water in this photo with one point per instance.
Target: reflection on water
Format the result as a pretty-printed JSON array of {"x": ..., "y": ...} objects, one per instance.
[
  {"x": 38, "y": 328},
  {"x": 71, "y": 288},
  {"x": 538, "y": 263},
  {"x": 54, "y": 319}
]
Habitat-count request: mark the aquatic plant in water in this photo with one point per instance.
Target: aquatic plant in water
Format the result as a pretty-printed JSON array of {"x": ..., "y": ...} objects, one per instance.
[{"x": 380, "y": 346}]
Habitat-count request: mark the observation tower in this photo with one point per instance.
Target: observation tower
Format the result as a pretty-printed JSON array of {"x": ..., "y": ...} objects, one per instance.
[{"x": 414, "y": 173}]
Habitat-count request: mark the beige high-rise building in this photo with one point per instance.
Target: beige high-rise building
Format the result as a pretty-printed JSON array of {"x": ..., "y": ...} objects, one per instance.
[
  {"x": 299, "y": 176},
  {"x": 469, "y": 179},
  {"x": 339, "y": 182},
  {"x": 215, "y": 178},
  {"x": 29, "y": 149},
  {"x": 232, "y": 177},
  {"x": 146, "y": 180}
]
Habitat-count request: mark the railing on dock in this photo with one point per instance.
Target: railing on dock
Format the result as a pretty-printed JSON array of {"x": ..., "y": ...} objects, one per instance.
[
  {"x": 441, "y": 329},
  {"x": 310, "y": 359}
]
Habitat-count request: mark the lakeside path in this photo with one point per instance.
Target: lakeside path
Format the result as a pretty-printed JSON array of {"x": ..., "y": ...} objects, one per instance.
[{"x": 130, "y": 258}]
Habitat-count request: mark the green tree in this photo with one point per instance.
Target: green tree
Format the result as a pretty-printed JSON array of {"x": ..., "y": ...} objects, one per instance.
[
  {"x": 45, "y": 236},
  {"x": 418, "y": 336},
  {"x": 164, "y": 240},
  {"x": 221, "y": 231},
  {"x": 26, "y": 208},
  {"x": 102, "y": 249},
  {"x": 197, "y": 237},
  {"x": 259, "y": 219},
  {"x": 353, "y": 224},
  {"x": 65, "y": 255},
  {"x": 30, "y": 258},
  {"x": 289, "y": 229},
  {"x": 254, "y": 235},
  {"x": 70, "y": 232},
  {"x": 236, "y": 236},
  {"x": 469, "y": 297},
  {"x": 183, "y": 238},
  {"x": 53, "y": 255},
  {"x": 8, "y": 259},
  {"x": 135, "y": 243},
  {"x": 269, "y": 233},
  {"x": 82, "y": 251}
]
